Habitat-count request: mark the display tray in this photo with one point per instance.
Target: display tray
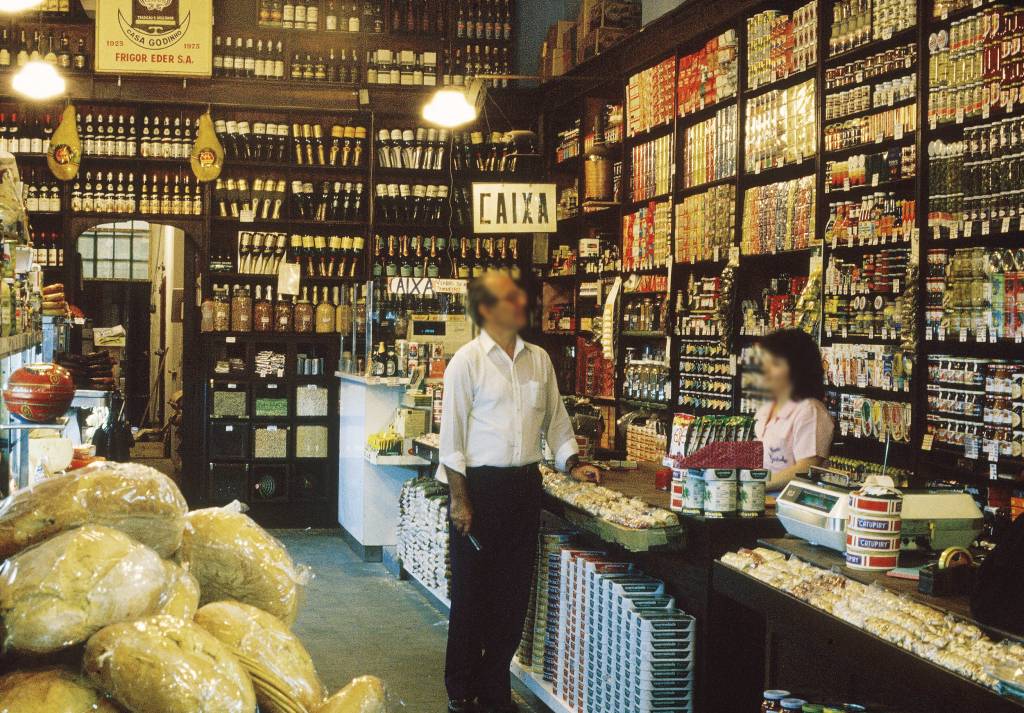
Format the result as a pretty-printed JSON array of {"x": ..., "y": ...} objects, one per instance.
[{"x": 874, "y": 656}]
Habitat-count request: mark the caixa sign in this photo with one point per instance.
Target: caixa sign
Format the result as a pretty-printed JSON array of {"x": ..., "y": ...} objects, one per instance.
[{"x": 514, "y": 208}]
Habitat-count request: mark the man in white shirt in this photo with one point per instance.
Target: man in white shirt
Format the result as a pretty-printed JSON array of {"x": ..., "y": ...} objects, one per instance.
[{"x": 500, "y": 399}]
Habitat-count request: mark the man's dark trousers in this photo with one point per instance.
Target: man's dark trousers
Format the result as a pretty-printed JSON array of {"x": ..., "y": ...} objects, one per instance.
[{"x": 490, "y": 588}]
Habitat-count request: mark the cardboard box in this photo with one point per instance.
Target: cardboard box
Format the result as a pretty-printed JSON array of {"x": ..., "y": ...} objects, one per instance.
[
  {"x": 147, "y": 449},
  {"x": 621, "y": 14},
  {"x": 600, "y": 40}
]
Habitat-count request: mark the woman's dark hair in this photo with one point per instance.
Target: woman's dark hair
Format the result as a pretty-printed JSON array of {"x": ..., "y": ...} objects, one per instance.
[{"x": 804, "y": 358}]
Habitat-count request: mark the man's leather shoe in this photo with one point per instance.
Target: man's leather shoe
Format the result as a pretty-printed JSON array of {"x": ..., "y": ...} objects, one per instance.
[{"x": 461, "y": 705}]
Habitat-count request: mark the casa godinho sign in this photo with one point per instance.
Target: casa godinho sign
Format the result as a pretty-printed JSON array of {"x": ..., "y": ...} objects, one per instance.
[{"x": 166, "y": 37}]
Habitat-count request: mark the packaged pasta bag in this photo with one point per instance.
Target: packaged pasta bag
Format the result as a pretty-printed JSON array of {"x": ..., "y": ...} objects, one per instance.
[
  {"x": 281, "y": 669},
  {"x": 162, "y": 664},
  {"x": 234, "y": 558},
  {"x": 60, "y": 592},
  {"x": 53, "y": 690},
  {"x": 135, "y": 499}
]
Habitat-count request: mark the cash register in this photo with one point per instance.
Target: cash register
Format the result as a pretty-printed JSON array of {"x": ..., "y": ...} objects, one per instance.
[{"x": 815, "y": 509}]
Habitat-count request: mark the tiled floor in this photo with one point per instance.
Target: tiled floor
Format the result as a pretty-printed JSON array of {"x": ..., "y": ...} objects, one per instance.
[{"x": 358, "y": 619}]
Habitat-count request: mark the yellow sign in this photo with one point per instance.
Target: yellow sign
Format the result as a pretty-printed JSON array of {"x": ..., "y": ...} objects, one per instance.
[{"x": 168, "y": 37}]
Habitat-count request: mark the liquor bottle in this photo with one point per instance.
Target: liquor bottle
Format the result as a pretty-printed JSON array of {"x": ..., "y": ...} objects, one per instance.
[
  {"x": 433, "y": 267},
  {"x": 479, "y": 267},
  {"x": 463, "y": 268},
  {"x": 378, "y": 366},
  {"x": 325, "y": 314}
]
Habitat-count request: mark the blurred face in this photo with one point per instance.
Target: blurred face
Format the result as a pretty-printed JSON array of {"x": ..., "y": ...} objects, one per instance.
[
  {"x": 509, "y": 312},
  {"x": 775, "y": 375}
]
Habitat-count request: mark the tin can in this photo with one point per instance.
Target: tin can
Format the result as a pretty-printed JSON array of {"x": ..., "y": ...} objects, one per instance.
[
  {"x": 753, "y": 483},
  {"x": 720, "y": 492},
  {"x": 693, "y": 492}
]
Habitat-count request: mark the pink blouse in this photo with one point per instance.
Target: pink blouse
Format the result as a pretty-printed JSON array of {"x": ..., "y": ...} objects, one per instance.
[{"x": 797, "y": 430}]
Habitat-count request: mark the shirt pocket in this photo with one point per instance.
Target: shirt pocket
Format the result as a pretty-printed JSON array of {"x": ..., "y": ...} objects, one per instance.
[{"x": 533, "y": 396}]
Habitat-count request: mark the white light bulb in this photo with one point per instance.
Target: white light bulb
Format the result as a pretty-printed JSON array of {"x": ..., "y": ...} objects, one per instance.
[
  {"x": 449, "y": 108},
  {"x": 13, "y": 6},
  {"x": 38, "y": 80}
]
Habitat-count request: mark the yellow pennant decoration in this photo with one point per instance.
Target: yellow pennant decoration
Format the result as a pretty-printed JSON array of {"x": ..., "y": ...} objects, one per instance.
[
  {"x": 207, "y": 157},
  {"x": 65, "y": 153}
]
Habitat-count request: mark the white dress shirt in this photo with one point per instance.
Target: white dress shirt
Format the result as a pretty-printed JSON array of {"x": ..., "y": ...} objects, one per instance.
[{"x": 496, "y": 408}]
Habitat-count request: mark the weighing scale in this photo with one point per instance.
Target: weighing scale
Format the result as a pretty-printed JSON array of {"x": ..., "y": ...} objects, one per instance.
[{"x": 815, "y": 509}]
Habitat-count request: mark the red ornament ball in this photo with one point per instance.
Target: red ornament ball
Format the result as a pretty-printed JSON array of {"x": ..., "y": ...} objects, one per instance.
[{"x": 39, "y": 393}]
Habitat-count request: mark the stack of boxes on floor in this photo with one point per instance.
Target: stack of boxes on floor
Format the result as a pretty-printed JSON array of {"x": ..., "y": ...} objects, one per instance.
[
  {"x": 606, "y": 637},
  {"x": 423, "y": 534}
]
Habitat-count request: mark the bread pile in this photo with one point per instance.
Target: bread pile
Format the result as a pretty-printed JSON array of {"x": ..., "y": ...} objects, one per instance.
[{"x": 107, "y": 561}]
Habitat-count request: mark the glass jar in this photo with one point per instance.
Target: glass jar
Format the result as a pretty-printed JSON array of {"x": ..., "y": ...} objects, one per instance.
[
  {"x": 221, "y": 310},
  {"x": 241, "y": 309},
  {"x": 263, "y": 312},
  {"x": 283, "y": 316},
  {"x": 206, "y": 315},
  {"x": 794, "y": 705},
  {"x": 772, "y": 701},
  {"x": 303, "y": 318}
]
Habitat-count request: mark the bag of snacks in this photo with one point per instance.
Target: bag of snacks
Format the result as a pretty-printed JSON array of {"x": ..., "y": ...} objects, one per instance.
[
  {"x": 136, "y": 499},
  {"x": 363, "y": 695},
  {"x": 53, "y": 690},
  {"x": 60, "y": 592},
  {"x": 162, "y": 664},
  {"x": 234, "y": 558}
]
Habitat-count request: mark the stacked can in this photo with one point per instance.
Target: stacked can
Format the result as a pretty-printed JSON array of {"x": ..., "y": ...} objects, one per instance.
[
  {"x": 550, "y": 543},
  {"x": 753, "y": 483},
  {"x": 622, "y": 644},
  {"x": 873, "y": 528},
  {"x": 721, "y": 492}
]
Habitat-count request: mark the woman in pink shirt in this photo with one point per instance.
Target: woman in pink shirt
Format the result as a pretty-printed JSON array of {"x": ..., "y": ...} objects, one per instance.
[{"x": 794, "y": 427}]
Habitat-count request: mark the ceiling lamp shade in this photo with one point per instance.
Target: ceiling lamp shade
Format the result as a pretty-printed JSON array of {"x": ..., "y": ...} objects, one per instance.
[
  {"x": 13, "y": 6},
  {"x": 38, "y": 80}
]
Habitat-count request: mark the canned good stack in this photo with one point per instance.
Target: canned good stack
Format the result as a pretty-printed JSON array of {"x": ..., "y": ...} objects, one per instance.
[
  {"x": 873, "y": 528},
  {"x": 422, "y": 533}
]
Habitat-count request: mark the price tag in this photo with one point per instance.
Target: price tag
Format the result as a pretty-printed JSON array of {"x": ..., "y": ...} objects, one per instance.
[
  {"x": 963, "y": 334},
  {"x": 982, "y": 335},
  {"x": 271, "y": 428},
  {"x": 859, "y": 76},
  {"x": 985, "y": 111},
  {"x": 993, "y": 451},
  {"x": 971, "y": 448},
  {"x": 992, "y": 337},
  {"x": 246, "y": 216},
  {"x": 828, "y": 333},
  {"x": 933, "y": 123},
  {"x": 229, "y": 340},
  {"x": 1017, "y": 338},
  {"x": 960, "y": 115},
  {"x": 968, "y": 228},
  {"x": 896, "y": 285},
  {"x": 229, "y": 429},
  {"x": 757, "y": 170},
  {"x": 985, "y": 227},
  {"x": 271, "y": 386},
  {"x": 879, "y": 139},
  {"x": 887, "y": 33},
  {"x": 232, "y": 386},
  {"x": 871, "y": 332},
  {"x": 885, "y": 333},
  {"x": 862, "y": 381},
  {"x": 1005, "y": 226},
  {"x": 874, "y": 180},
  {"x": 993, "y": 471},
  {"x": 954, "y": 232},
  {"x": 717, "y": 254},
  {"x": 844, "y": 332},
  {"x": 926, "y": 441},
  {"x": 310, "y": 387},
  {"x": 898, "y": 131},
  {"x": 942, "y": 334},
  {"x": 846, "y": 183}
]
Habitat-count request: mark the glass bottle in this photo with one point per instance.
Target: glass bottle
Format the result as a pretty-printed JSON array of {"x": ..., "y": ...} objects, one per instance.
[
  {"x": 263, "y": 311},
  {"x": 304, "y": 313},
  {"x": 221, "y": 309},
  {"x": 283, "y": 315},
  {"x": 241, "y": 309},
  {"x": 325, "y": 314},
  {"x": 342, "y": 313}
]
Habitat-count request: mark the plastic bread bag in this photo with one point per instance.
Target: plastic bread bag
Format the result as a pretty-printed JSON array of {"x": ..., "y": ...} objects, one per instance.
[
  {"x": 365, "y": 694},
  {"x": 13, "y": 217},
  {"x": 234, "y": 558},
  {"x": 162, "y": 664},
  {"x": 60, "y": 592},
  {"x": 53, "y": 690},
  {"x": 275, "y": 658},
  {"x": 136, "y": 499},
  {"x": 180, "y": 597}
]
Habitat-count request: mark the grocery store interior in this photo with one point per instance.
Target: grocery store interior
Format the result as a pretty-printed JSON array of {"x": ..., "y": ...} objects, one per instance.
[{"x": 482, "y": 356}]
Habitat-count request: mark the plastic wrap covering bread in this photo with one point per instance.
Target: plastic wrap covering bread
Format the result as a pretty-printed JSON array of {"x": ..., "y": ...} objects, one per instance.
[
  {"x": 234, "y": 558},
  {"x": 136, "y": 499},
  {"x": 364, "y": 695},
  {"x": 51, "y": 690},
  {"x": 162, "y": 664},
  {"x": 181, "y": 596},
  {"x": 60, "y": 592},
  {"x": 280, "y": 665}
]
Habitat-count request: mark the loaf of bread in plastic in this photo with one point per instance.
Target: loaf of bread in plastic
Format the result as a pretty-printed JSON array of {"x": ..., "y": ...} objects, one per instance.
[
  {"x": 266, "y": 640},
  {"x": 51, "y": 690},
  {"x": 136, "y": 499},
  {"x": 363, "y": 695},
  {"x": 162, "y": 664},
  {"x": 60, "y": 592},
  {"x": 180, "y": 598},
  {"x": 234, "y": 558}
]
